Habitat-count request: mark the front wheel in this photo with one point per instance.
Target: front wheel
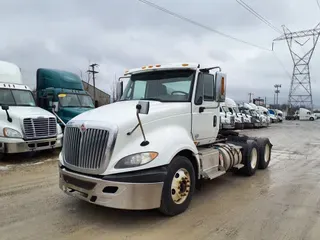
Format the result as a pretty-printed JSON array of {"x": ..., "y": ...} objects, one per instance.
[
  {"x": 178, "y": 186},
  {"x": 311, "y": 119}
]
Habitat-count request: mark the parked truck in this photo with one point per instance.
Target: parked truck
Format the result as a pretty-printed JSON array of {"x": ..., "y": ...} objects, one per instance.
[
  {"x": 24, "y": 127},
  {"x": 240, "y": 118},
  {"x": 62, "y": 93},
  {"x": 227, "y": 119},
  {"x": 250, "y": 111},
  {"x": 158, "y": 145},
  {"x": 302, "y": 114}
]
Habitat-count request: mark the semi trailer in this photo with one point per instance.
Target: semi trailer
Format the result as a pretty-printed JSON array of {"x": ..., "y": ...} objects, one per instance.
[
  {"x": 24, "y": 127},
  {"x": 159, "y": 145}
]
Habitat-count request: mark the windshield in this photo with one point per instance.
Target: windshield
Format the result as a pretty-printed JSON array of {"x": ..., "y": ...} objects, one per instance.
[
  {"x": 15, "y": 97},
  {"x": 271, "y": 112},
  {"x": 75, "y": 100},
  {"x": 226, "y": 109},
  {"x": 164, "y": 86}
]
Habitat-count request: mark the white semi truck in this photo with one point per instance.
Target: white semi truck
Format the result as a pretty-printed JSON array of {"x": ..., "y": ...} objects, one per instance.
[
  {"x": 240, "y": 119},
  {"x": 227, "y": 119},
  {"x": 24, "y": 127},
  {"x": 262, "y": 117},
  {"x": 304, "y": 114},
  {"x": 160, "y": 143}
]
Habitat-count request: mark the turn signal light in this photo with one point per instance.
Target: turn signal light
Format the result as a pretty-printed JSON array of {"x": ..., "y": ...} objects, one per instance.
[{"x": 185, "y": 64}]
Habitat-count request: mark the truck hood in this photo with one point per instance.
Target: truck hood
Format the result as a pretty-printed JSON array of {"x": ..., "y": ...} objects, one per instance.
[
  {"x": 25, "y": 112},
  {"x": 123, "y": 113}
]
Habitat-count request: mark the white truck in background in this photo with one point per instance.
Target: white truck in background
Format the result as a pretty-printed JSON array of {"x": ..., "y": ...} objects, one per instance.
[
  {"x": 279, "y": 115},
  {"x": 264, "y": 111},
  {"x": 227, "y": 119},
  {"x": 262, "y": 117},
  {"x": 158, "y": 145},
  {"x": 304, "y": 114},
  {"x": 250, "y": 111},
  {"x": 24, "y": 127},
  {"x": 234, "y": 111}
]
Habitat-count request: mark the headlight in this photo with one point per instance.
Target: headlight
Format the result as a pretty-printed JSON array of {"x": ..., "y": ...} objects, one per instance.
[
  {"x": 136, "y": 160},
  {"x": 11, "y": 133}
]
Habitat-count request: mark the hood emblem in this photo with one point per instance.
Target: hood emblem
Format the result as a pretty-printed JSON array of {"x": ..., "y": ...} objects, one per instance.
[{"x": 83, "y": 127}]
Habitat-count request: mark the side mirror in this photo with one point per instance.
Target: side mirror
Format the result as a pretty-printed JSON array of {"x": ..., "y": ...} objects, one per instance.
[
  {"x": 220, "y": 87},
  {"x": 119, "y": 90},
  {"x": 143, "y": 107},
  {"x": 5, "y": 107}
]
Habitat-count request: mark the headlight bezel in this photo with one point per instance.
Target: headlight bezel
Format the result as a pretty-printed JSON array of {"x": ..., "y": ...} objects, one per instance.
[
  {"x": 145, "y": 158},
  {"x": 14, "y": 133}
]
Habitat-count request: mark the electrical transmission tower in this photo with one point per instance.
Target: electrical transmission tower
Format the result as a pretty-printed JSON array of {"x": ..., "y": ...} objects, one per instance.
[{"x": 300, "y": 93}]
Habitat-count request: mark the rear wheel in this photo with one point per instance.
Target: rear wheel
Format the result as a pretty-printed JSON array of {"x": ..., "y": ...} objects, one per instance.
[
  {"x": 264, "y": 147},
  {"x": 250, "y": 158},
  {"x": 178, "y": 187}
]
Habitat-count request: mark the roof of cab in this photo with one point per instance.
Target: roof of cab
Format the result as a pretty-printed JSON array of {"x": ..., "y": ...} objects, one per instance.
[{"x": 170, "y": 66}]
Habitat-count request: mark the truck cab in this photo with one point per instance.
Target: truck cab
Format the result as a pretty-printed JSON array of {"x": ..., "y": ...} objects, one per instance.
[
  {"x": 262, "y": 117},
  {"x": 161, "y": 141},
  {"x": 264, "y": 111},
  {"x": 305, "y": 114},
  {"x": 62, "y": 93},
  {"x": 234, "y": 111},
  {"x": 279, "y": 115},
  {"x": 24, "y": 127},
  {"x": 226, "y": 117}
]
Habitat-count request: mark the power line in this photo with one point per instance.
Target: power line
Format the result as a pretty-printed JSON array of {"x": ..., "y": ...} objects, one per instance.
[
  {"x": 257, "y": 15},
  {"x": 318, "y": 4},
  {"x": 153, "y": 5}
]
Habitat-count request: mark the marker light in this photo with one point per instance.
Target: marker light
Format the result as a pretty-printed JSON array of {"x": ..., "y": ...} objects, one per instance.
[{"x": 185, "y": 64}]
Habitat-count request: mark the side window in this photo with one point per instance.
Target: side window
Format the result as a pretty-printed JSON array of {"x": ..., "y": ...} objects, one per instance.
[
  {"x": 139, "y": 89},
  {"x": 208, "y": 81}
]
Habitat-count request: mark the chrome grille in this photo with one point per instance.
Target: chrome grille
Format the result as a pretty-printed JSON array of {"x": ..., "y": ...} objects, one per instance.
[
  {"x": 85, "y": 150},
  {"x": 39, "y": 127}
]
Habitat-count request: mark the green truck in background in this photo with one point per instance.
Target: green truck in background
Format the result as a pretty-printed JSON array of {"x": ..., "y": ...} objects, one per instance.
[{"x": 62, "y": 93}]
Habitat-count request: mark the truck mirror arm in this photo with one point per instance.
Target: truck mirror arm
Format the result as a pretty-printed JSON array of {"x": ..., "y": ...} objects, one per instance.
[{"x": 6, "y": 108}]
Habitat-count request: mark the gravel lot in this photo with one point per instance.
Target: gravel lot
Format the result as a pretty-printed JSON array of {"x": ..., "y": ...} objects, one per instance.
[{"x": 282, "y": 202}]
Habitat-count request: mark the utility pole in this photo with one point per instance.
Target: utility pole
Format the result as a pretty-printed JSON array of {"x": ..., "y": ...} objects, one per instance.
[
  {"x": 277, "y": 91},
  {"x": 250, "y": 97},
  {"x": 300, "y": 89},
  {"x": 93, "y": 72}
]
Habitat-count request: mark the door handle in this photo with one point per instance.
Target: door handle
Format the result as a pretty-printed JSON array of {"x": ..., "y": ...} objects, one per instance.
[
  {"x": 214, "y": 121},
  {"x": 201, "y": 109}
]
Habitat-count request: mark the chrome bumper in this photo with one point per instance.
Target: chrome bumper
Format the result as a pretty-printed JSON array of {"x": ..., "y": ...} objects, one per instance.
[
  {"x": 20, "y": 146},
  {"x": 121, "y": 195}
]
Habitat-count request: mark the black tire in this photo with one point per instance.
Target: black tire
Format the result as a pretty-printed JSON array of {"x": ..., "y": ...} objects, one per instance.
[
  {"x": 248, "y": 153},
  {"x": 264, "y": 145},
  {"x": 2, "y": 156},
  {"x": 311, "y": 119},
  {"x": 168, "y": 206}
]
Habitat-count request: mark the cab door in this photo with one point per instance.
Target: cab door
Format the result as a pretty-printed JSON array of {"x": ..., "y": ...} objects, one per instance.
[{"x": 205, "y": 111}]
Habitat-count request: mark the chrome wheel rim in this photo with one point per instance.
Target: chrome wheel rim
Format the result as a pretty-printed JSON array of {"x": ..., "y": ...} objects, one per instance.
[
  {"x": 180, "y": 186},
  {"x": 254, "y": 158}
]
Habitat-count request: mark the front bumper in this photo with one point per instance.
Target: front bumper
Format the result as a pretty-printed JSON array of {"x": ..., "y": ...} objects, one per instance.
[
  {"x": 121, "y": 192},
  {"x": 12, "y": 145},
  {"x": 228, "y": 126}
]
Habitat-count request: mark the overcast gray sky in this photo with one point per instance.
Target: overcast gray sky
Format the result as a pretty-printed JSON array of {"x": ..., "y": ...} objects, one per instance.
[{"x": 123, "y": 34}]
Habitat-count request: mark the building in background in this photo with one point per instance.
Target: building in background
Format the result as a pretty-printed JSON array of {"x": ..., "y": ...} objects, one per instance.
[{"x": 102, "y": 97}]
